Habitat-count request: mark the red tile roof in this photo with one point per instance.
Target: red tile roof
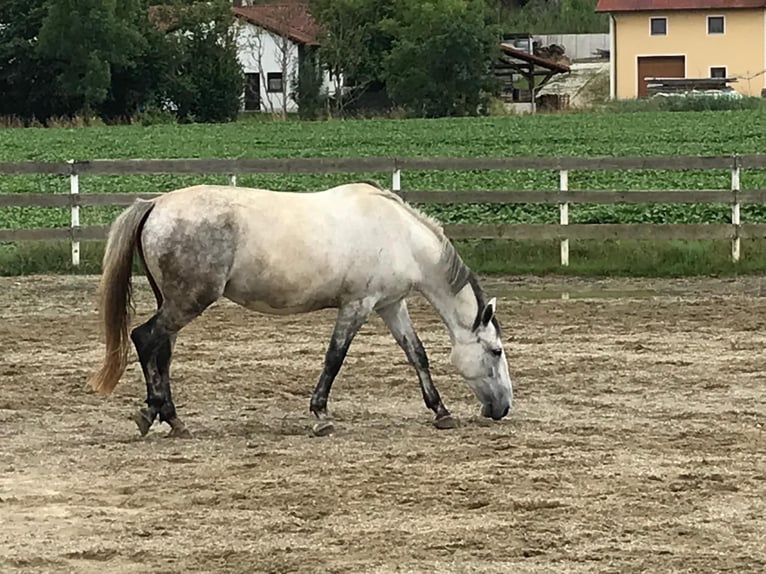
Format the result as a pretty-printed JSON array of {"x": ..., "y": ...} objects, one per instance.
[
  {"x": 288, "y": 19},
  {"x": 650, "y": 5}
]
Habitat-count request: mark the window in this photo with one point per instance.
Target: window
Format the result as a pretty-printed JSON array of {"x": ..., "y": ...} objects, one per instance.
[
  {"x": 718, "y": 72},
  {"x": 274, "y": 81},
  {"x": 715, "y": 25},
  {"x": 658, "y": 26}
]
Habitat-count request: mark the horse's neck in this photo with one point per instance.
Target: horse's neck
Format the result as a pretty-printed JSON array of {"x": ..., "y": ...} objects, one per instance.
[{"x": 458, "y": 311}]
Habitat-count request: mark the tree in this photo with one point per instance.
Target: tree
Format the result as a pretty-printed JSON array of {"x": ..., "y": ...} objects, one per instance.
[
  {"x": 138, "y": 83},
  {"x": 206, "y": 78},
  {"x": 25, "y": 76},
  {"x": 308, "y": 82},
  {"x": 353, "y": 43},
  {"x": 87, "y": 38},
  {"x": 557, "y": 17},
  {"x": 441, "y": 62}
]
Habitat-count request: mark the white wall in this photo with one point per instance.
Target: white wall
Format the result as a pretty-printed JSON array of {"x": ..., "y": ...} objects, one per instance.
[{"x": 261, "y": 51}]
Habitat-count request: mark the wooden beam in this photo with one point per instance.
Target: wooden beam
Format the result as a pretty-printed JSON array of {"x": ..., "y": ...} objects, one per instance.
[{"x": 638, "y": 231}]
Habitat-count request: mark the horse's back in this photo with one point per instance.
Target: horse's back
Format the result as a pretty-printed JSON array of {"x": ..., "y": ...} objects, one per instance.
[{"x": 284, "y": 251}]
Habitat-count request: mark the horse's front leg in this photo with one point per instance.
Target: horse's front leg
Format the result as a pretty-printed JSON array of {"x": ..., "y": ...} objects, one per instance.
[
  {"x": 350, "y": 319},
  {"x": 397, "y": 319}
]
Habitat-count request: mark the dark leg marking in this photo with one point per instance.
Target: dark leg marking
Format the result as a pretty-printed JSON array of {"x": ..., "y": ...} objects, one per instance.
[
  {"x": 350, "y": 320},
  {"x": 398, "y": 321},
  {"x": 154, "y": 345}
]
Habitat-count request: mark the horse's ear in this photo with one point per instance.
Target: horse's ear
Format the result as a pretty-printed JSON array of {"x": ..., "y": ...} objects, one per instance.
[{"x": 489, "y": 312}]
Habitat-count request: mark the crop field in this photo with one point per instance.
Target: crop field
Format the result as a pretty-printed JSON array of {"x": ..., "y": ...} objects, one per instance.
[
  {"x": 656, "y": 133},
  {"x": 584, "y": 134}
]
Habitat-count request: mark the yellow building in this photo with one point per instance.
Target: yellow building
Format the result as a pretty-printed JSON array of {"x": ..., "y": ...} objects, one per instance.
[{"x": 686, "y": 39}]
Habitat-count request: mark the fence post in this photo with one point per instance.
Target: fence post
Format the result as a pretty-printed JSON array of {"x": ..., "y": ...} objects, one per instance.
[
  {"x": 396, "y": 179},
  {"x": 735, "y": 209},
  {"x": 233, "y": 179},
  {"x": 564, "y": 216},
  {"x": 74, "y": 192}
]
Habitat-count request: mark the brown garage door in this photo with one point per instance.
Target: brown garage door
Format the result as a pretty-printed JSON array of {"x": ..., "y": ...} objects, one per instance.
[{"x": 659, "y": 67}]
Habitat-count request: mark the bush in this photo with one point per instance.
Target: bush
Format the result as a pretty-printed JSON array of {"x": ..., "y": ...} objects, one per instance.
[{"x": 686, "y": 103}]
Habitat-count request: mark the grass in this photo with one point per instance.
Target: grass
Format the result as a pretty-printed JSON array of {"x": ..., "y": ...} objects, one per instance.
[
  {"x": 587, "y": 258},
  {"x": 626, "y": 132}
]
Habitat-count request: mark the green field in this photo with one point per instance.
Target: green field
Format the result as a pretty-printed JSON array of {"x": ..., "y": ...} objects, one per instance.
[{"x": 582, "y": 134}]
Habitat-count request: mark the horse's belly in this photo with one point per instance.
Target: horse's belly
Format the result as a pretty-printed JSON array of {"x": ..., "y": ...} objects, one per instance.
[
  {"x": 261, "y": 306},
  {"x": 266, "y": 296}
]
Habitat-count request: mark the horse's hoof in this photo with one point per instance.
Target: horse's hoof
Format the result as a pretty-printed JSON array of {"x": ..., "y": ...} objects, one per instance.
[
  {"x": 323, "y": 428},
  {"x": 179, "y": 432},
  {"x": 141, "y": 418},
  {"x": 445, "y": 422}
]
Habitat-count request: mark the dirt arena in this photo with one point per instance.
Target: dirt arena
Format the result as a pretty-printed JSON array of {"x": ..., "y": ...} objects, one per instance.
[{"x": 635, "y": 443}]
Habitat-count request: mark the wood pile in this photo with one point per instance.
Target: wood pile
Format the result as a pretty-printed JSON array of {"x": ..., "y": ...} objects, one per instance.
[
  {"x": 553, "y": 52},
  {"x": 683, "y": 85}
]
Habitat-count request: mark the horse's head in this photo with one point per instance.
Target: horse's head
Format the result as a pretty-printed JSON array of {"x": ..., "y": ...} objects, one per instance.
[{"x": 479, "y": 357}]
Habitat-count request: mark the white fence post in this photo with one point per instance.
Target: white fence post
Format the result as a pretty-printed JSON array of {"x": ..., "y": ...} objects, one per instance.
[
  {"x": 735, "y": 209},
  {"x": 74, "y": 192},
  {"x": 233, "y": 179},
  {"x": 564, "y": 216},
  {"x": 396, "y": 180}
]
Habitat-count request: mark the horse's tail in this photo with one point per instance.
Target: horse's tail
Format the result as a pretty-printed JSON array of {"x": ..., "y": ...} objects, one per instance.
[{"x": 115, "y": 293}]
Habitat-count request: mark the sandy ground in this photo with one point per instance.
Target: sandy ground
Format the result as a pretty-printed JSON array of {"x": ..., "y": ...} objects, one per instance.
[{"x": 635, "y": 443}]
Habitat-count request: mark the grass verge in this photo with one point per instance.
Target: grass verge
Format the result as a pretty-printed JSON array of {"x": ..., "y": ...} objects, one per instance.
[{"x": 587, "y": 258}]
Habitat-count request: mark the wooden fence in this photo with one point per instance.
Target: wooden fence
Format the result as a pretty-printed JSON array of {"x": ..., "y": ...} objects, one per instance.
[{"x": 563, "y": 196}]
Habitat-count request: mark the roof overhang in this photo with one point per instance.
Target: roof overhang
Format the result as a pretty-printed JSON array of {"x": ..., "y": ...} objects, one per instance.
[
  {"x": 659, "y": 5},
  {"x": 555, "y": 67}
]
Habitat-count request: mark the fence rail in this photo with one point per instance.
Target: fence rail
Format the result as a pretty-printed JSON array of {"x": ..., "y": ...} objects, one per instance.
[{"x": 563, "y": 197}]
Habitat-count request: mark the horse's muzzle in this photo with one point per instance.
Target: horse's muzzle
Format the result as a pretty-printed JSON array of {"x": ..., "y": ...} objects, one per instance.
[{"x": 495, "y": 412}]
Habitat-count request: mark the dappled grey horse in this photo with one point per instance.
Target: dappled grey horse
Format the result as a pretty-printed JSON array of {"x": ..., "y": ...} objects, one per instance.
[{"x": 355, "y": 247}]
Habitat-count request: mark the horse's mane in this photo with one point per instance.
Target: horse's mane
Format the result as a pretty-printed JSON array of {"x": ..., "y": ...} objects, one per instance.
[{"x": 458, "y": 273}]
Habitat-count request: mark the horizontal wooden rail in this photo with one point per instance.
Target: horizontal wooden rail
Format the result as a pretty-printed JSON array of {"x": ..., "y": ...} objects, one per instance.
[
  {"x": 36, "y": 234},
  {"x": 602, "y": 231},
  {"x": 605, "y": 197},
  {"x": 518, "y": 231},
  {"x": 35, "y": 167},
  {"x": 374, "y": 164},
  {"x": 549, "y": 197}
]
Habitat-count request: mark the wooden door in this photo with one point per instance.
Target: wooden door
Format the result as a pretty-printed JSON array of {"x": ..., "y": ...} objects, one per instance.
[{"x": 659, "y": 67}]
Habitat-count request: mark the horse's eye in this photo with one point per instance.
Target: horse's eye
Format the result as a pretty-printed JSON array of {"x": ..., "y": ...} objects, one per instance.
[{"x": 497, "y": 352}]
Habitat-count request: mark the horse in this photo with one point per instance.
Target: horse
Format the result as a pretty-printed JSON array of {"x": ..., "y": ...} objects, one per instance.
[{"x": 357, "y": 247}]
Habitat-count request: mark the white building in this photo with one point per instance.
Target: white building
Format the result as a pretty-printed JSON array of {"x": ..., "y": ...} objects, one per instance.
[{"x": 273, "y": 39}]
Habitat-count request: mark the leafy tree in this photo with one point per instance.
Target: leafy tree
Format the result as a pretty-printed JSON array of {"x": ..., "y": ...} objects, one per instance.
[
  {"x": 86, "y": 38},
  {"x": 25, "y": 76},
  {"x": 207, "y": 80},
  {"x": 441, "y": 62},
  {"x": 556, "y": 17},
  {"x": 140, "y": 81},
  {"x": 353, "y": 44}
]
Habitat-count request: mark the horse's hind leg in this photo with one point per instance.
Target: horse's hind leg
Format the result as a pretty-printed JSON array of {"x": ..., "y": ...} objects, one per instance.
[
  {"x": 397, "y": 319},
  {"x": 154, "y": 342}
]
